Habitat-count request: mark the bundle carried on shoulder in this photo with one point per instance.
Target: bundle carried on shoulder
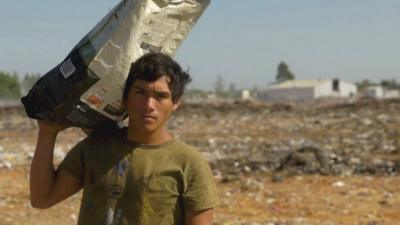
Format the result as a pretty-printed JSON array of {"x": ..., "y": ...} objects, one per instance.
[{"x": 85, "y": 89}]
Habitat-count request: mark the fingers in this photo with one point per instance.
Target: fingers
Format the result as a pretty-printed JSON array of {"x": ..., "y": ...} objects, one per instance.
[
  {"x": 87, "y": 131},
  {"x": 51, "y": 127}
]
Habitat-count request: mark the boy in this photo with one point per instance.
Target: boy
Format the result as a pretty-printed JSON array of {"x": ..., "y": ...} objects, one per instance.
[{"x": 139, "y": 174}]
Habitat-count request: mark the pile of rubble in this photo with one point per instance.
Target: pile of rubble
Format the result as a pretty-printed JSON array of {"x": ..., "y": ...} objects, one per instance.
[
  {"x": 18, "y": 138},
  {"x": 354, "y": 138},
  {"x": 246, "y": 137}
]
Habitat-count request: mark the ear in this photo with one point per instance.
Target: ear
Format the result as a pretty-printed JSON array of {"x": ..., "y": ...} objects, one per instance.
[{"x": 176, "y": 105}]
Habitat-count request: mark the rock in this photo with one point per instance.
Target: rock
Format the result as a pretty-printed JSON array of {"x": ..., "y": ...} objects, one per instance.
[
  {"x": 212, "y": 142},
  {"x": 276, "y": 178},
  {"x": 246, "y": 169},
  {"x": 366, "y": 122},
  {"x": 338, "y": 184},
  {"x": 252, "y": 185},
  {"x": 270, "y": 201},
  {"x": 30, "y": 155},
  {"x": 228, "y": 193},
  {"x": 383, "y": 118},
  {"x": 5, "y": 161},
  {"x": 229, "y": 178}
]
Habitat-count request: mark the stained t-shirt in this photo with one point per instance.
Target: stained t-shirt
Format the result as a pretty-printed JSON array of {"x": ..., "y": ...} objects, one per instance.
[{"x": 129, "y": 183}]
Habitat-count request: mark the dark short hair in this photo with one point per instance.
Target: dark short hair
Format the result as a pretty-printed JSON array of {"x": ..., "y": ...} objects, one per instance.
[{"x": 152, "y": 66}]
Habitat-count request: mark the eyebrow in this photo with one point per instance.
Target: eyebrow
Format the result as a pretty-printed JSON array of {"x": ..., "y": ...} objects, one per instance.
[
  {"x": 166, "y": 93},
  {"x": 163, "y": 92}
]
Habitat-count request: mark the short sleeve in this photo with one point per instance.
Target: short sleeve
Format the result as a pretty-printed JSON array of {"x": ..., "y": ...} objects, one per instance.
[
  {"x": 74, "y": 161},
  {"x": 200, "y": 192}
]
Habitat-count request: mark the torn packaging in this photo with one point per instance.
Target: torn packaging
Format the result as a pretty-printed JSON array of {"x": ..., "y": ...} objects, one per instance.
[{"x": 85, "y": 90}]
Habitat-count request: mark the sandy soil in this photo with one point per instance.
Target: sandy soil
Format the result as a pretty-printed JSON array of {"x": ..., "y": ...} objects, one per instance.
[{"x": 251, "y": 200}]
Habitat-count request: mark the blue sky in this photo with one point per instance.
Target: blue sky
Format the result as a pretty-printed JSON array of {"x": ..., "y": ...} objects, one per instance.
[{"x": 242, "y": 41}]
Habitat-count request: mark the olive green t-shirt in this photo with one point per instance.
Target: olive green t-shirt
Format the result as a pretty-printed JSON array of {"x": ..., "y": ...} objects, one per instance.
[{"x": 129, "y": 183}]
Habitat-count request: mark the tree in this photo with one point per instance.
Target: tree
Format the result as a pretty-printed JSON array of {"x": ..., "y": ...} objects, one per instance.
[
  {"x": 361, "y": 86},
  {"x": 231, "y": 91},
  {"x": 220, "y": 86},
  {"x": 10, "y": 87},
  {"x": 390, "y": 84},
  {"x": 284, "y": 73},
  {"x": 232, "y": 88}
]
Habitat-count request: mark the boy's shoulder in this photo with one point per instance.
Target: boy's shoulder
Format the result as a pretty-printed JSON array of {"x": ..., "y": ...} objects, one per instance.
[
  {"x": 184, "y": 149},
  {"x": 101, "y": 140}
]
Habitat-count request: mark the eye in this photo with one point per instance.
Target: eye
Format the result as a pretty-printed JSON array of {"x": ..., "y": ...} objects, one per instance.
[
  {"x": 162, "y": 95},
  {"x": 137, "y": 91}
]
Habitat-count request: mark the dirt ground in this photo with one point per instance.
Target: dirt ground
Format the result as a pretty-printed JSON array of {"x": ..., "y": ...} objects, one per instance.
[{"x": 360, "y": 200}]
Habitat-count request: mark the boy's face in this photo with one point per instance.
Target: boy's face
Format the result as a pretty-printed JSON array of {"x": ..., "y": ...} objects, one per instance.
[{"x": 150, "y": 104}]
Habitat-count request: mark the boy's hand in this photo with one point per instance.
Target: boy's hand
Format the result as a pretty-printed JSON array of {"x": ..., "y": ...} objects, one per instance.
[
  {"x": 52, "y": 128},
  {"x": 87, "y": 131}
]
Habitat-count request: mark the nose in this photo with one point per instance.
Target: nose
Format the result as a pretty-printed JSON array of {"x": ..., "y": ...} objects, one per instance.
[{"x": 150, "y": 103}]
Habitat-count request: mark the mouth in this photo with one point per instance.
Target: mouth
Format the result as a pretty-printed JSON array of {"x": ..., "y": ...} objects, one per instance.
[{"x": 149, "y": 118}]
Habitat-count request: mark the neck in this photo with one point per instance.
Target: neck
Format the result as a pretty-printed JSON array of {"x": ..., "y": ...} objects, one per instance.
[{"x": 154, "y": 138}]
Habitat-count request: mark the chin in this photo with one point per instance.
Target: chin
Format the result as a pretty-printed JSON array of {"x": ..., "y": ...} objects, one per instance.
[{"x": 148, "y": 128}]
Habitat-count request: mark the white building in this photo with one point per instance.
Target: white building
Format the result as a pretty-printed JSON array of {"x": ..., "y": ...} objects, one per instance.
[
  {"x": 301, "y": 90},
  {"x": 246, "y": 95},
  {"x": 392, "y": 94},
  {"x": 374, "y": 91},
  {"x": 380, "y": 92}
]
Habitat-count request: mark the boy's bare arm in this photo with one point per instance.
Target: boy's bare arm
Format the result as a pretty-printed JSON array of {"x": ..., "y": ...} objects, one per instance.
[
  {"x": 48, "y": 186},
  {"x": 203, "y": 217}
]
